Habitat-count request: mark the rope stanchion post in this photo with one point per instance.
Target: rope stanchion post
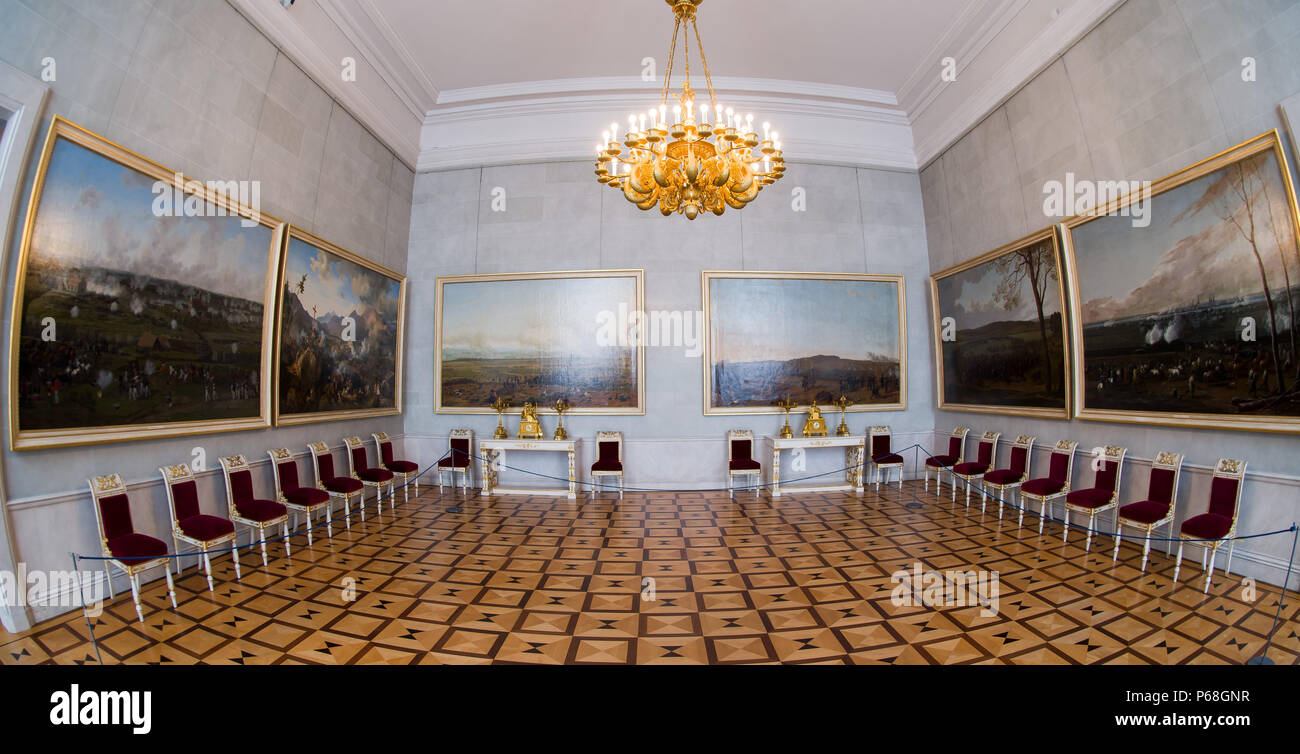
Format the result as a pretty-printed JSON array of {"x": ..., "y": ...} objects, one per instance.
[
  {"x": 81, "y": 591},
  {"x": 1262, "y": 658}
]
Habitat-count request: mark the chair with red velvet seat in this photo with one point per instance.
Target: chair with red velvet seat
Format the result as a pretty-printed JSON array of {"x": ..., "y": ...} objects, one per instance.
[
  {"x": 246, "y": 509},
  {"x": 1102, "y": 496},
  {"x": 119, "y": 542},
  {"x": 1218, "y": 524},
  {"x": 369, "y": 476},
  {"x": 883, "y": 458},
  {"x": 296, "y": 497},
  {"x": 609, "y": 459},
  {"x": 740, "y": 460},
  {"x": 1157, "y": 509},
  {"x": 1060, "y": 468},
  {"x": 460, "y": 457},
  {"x": 189, "y": 525},
  {"x": 955, "y": 455},
  {"x": 1000, "y": 481},
  {"x": 342, "y": 487},
  {"x": 403, "y": 471},
  {"x": 968, "y": 470}
]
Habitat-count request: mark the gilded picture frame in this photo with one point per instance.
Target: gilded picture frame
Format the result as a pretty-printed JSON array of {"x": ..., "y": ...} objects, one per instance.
[
  {"x": 319, "y": 371},
  {"x": 1228, "y": 368},
  {"x": 763, "y": 301},
  {"x": 96, "y": 280},
  {"x": 496, "y": 330},
  {"x": 1017, "y": 266}
]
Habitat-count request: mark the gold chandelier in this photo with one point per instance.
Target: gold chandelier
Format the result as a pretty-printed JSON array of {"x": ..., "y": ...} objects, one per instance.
[{"x": 690, "y": 164}]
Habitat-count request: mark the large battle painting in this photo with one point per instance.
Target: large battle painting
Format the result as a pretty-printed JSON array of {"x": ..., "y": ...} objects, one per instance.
[
  {"x": 136, "y": 317},
  {"x": 1000, "y": 331},
  {"x": 811, "y": 337},
  {"x": 1189, "y": 321},
  {"x": 539, "y": 337},
  {"x": 340, "y": 334}
]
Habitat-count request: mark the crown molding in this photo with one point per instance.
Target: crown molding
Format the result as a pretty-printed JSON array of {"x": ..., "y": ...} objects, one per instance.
[
  {"x": 566, "y": 127},
  {"x": 741, "y": 85},
  {"x": 381, "y": 110},
  {"x": 365, "y": 27},
  {"x": 977, "y": 25},
  {"x": 1040, "y": 52}
]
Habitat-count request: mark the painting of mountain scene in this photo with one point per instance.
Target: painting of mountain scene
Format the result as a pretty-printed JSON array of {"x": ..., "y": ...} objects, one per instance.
[
  {"x": 340, "y": 334},
  {"x": 1193, "y": 316},
  {"x": 1000, "y": 331},
  {"x": 809, "y": 336},
  {"x": 539, "y": 337},
  {"x": 134, "y": 323}
]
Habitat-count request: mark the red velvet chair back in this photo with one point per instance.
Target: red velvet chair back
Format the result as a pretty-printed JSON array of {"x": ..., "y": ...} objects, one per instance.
[
  {"x": 954, "y": 446},
  {"x": 740, "y": 450},
  {"x": 359, "y": 458},
  {"x": 1161, "y": 487},
  {"x": 241, "y": 486},
  {"x": 386, "y": 452},
  {"x": 608, "y": 452},
  {"x": 1059, "y": 468},
  {"x": 1223, "y": 496},
  {"x": 288, "y": 471},
  {"x": 460, "y": 450},
  {"x": 325, "y": 462},
  {"x": 879, "y": 446},
  {"x": 115, "y": 513},
  {"x": 1106, "y": 476},
  {"x": 185, "y": 498},
  {"x": 986, "y": 452},
  {"x": 1018, "y": 458}
]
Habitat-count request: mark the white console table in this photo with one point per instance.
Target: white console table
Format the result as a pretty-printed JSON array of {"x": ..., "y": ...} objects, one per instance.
[
  {"x": 494, "y": 456},
  {"x": 855, "y": 453}
]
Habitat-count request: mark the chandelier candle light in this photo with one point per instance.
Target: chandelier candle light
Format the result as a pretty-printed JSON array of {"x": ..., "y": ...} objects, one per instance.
[{"x": 703, "y": 158}]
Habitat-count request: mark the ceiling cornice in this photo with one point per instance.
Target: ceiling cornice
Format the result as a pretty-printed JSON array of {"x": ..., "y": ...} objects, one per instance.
[
  {"x": 380, "y": 110},
  {"x": 935, "y": 133},
  {"x": 606, "y": 84},
  {"x": 366, "y": 28}
]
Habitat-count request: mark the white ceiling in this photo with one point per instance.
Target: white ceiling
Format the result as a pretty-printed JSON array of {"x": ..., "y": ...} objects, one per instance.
[
  {"x": 872, "y": 44},
  {"x": 461, "y": 83}
]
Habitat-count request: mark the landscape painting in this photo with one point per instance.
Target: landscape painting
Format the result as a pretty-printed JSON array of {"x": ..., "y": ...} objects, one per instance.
[
  {"x": 134, "y": 319},
  {"x": 1189, "y": 321},
  {"x": 1000, "y": 332},
  {"x": 539, "y": 337},
  {"x": 811, "y": 337},
  {"x": 339, "y": 348}
]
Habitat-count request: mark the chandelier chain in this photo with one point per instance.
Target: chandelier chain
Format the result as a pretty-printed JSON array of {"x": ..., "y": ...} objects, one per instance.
[
  {"x": 672, "y": 53},
  {"x": 708, "y": 79}
]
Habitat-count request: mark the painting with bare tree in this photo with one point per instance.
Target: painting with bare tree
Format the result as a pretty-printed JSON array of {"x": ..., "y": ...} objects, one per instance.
[
  {"x": 1188, "y": 321},
  {"x": 999, "y": 334}
]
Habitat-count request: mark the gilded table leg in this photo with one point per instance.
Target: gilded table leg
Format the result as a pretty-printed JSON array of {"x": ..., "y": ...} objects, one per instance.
[
  {"x": 492, "y": 457},
  {"x": 776, "y": 472}
]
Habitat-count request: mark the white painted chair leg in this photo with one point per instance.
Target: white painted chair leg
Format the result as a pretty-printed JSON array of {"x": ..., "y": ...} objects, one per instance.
[
  {"x": 1178, "y": 562},
  {"x": 1146, "y": 551},
  {"x": 171, "y": 587},
  {"x": 262, "y": 533},
  {"x": 108, "y": 579},
  {"x": 1114, "y": 558},
  {"x": 1228, "y": 569},
  {"x": 135, "y": 595},
  {"x": 329, "y": 520},
  {"x": 284, "y": 531},
  {"x": 1210, "y": 573},
  {"x": 207, "y": 568},
  {"x": 1043, "y": 511}
]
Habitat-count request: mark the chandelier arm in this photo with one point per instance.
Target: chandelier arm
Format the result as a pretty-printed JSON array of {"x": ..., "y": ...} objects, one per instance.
[
  {"x": 672, "y": 53},
  {"x": 708, "y": 79}
]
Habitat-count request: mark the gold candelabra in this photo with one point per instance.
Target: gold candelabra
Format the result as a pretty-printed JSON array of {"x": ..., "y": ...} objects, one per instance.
[
  {"x": 500, "y": 404},
  {"x": 560, "y": 407},
  {"x": 786, "y": 403},
  {"x": 843, "y": 402}
]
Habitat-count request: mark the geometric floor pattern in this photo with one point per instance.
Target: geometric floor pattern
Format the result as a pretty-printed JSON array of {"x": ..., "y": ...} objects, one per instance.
[{"x": 803, "y": 578}]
